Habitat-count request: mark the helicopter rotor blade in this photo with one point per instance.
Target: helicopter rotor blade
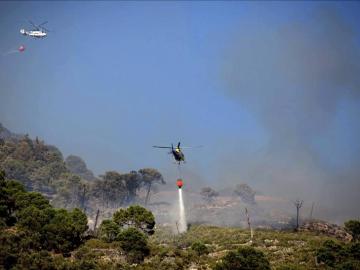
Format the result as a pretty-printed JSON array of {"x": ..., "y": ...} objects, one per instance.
[
  {"x": 156, "y": 146},
  {"x": 189, "y": 147},
  {"x": 42, "y": 23},
  {"x": 47, "y": 30},
  {"x": 33, "y": 24}
]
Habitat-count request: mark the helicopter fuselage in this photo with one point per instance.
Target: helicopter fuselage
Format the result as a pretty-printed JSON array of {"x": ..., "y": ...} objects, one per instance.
[
  {"x": 178, "y": 155},
  {"x": 34, "y": 33}
]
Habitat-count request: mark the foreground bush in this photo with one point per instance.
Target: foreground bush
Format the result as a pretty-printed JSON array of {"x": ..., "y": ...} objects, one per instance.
[
  {"x": 339, "y": 256},
  {"x": 134, "y": 244},
  {"x": 200, "y": 248},
  {"x": 30, "y": 227},
  {"x": 353, "y": 227},
  {"x": 245, "y": 258}
]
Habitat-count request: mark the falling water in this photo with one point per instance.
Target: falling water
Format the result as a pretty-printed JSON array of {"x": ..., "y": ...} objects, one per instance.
[{"x": 182, "y": 221}]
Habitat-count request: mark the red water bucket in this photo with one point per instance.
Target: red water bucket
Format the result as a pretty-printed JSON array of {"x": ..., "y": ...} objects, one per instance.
[{"x": 179, "y": 183}]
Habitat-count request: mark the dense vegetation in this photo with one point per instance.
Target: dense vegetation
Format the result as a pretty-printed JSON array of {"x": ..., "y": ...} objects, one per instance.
[
  {"x": 35, "y": 235},
  {"x": 31, "y": 227},
  {"x": 339, "y": 256},
  {"x": 69, "y": 183},
  {"x": 244, "y": 258}
]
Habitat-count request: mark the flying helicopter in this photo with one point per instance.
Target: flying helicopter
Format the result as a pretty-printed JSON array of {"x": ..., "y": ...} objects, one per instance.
[
  {"x": 176, "y": 151},
  {"x": 38, "y": 32}
]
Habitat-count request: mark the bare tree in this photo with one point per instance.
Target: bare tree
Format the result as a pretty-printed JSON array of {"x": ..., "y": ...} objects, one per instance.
[{"x": 298, "y": 204}]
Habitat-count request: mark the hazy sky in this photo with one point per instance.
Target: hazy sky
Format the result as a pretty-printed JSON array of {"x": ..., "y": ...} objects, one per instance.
[{"x": 267, "y": 88}]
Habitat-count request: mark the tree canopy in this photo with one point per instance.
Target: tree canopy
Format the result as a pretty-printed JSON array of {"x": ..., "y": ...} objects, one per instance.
[
  {"x": 135, "y": 216},
  {"x": 69, "y": 183},
  {"x": 30, "y": 224}
]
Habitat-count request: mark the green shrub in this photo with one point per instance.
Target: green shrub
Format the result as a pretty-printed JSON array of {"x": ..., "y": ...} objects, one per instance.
[
  {"x": 329, "y": 253},
  {"x": 136, "y": 216},
  {"x": 134, "y": 244},
  {"x": 353, "y": 227},
  {"x": 244, "y": 258},
  {"x": 354, "y": 250},
  {"x": 348, "y": 265},
  {"x": 108, "y": 230},
  {"x": 36, "y": 260},
  {"x": 200, "y": 248},
  {"x": 340, "y": 256},
  {"x": 97, "y": 243}
]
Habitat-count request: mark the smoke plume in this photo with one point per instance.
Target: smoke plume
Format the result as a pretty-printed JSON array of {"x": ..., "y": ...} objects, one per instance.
[{"x": 292, "y": 78}]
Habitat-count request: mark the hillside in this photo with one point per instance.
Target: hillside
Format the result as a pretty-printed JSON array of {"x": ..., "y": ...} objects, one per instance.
[
  {"x": 36, "y": 234},
  {"x": 282, "y": 248},
  {"x": 68, "y": 182}
]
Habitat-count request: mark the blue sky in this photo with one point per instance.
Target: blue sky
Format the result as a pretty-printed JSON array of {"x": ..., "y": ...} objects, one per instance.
[{"x": 114, "y": 78}]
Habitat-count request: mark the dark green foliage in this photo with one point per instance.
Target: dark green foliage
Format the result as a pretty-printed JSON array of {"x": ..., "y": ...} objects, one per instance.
[
  {"x": 348, "y": 265},
  {"x": 40, "y": 167},
  {"x": 134, "y": 244},
  {"x": 32, "y": 163},
  {"x": 200, "y": 248},
  {"x": 339, "y": 256},
  {"x": 35, "y": 261},
  {"x": 108, "y": 230},
  {"x": 38, "y": 224},
  {"x": 9, "y": 192},
  {"x": 86, "y": 258},
  {"x": 135, "y": 216},
  {"x": 34, "y": 219},
  {"x": 329, "y": 252},
  {"x": 127, "y": 227},
  {"x": 65, "y": 230},
  {"x": 245, "y": 258},
  {"x": 8, "y": 249},
  {"x": 58, "y": 229},
  {"x": 26, "y": 199},
  {"x": 354, "y": 250},
  {"x": 353, "y": 227}
]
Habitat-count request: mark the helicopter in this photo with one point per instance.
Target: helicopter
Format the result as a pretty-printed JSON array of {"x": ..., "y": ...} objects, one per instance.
[
  {"x": 176, "y": 152},
  {"x": 38, "y": 32}
]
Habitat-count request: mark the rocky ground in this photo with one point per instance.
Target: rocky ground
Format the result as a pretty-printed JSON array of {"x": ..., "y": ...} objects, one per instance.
[{"x": 326, "y": 228}]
